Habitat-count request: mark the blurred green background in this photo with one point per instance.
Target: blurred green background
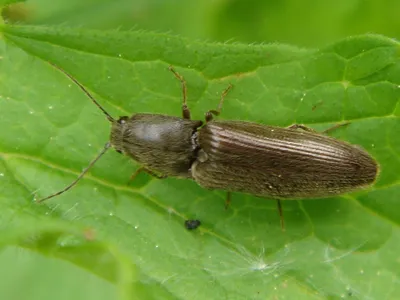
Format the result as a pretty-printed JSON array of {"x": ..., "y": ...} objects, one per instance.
[
  {"x": 29, "y": 275},
  {"x": 306, "y": 23}
]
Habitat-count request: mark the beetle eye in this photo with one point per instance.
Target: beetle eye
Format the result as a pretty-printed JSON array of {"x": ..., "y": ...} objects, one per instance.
[{"x": 122, "y": 120}]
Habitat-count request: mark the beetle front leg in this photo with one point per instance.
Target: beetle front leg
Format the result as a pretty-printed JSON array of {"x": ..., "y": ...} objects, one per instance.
[
  {"x": 148, "y": 171},
  {"x": 185, "y": 108}
]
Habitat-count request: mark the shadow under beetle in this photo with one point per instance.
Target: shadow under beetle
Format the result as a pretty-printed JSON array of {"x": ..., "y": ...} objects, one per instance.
[{"x": 237, "y": 156}]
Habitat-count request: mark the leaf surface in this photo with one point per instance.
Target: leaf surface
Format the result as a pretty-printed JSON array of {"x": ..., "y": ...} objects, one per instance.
[{"x": 332, "y": 248}]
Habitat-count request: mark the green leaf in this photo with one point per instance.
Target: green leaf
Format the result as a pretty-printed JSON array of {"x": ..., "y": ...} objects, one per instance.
[
  {"x": 332, "y": 248},
  {"x": 44, "y": 277}
]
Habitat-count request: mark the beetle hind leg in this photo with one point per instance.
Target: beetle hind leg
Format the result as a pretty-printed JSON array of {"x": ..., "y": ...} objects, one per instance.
[
  {"x": 308, "y": 129},
  {"x": 334, "y": 127},
  {"x": 301, "y": 126}
]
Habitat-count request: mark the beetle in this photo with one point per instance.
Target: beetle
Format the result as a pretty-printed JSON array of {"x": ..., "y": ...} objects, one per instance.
[{"x": 236, "y": 156}]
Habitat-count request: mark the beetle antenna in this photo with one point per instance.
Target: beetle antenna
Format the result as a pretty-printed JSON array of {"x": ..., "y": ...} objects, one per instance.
[
  {"x": 106, "y": 147},
  {"x": 109, "y": 118}
]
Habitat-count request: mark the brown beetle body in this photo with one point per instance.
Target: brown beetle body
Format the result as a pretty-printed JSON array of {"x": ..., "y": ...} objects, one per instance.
[{"x": 275, "y": 162}]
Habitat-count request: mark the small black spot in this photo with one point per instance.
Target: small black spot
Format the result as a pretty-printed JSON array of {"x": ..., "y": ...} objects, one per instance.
[
  {"x": 192, "y": 224},
  {"x": 119, "y": 151}
]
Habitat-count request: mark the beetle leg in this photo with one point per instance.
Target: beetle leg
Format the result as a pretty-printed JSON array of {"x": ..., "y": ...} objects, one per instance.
[
  {"x": 278, "y": 202},
  {"x": 228, "y": 200},
  {"x": 185, "y": 108},
  {"x": 334, "y": 127},
  {"x": 301, "y": 126},
  {"x": 185, "y": 112},
  {"x": 148, "y": 171},
  {"x": 305, "y": 128},
  {"x": 211, "y": 112}
]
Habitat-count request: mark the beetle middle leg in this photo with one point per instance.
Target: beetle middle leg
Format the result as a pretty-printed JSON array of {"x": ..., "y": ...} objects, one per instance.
[
  {"x": 211, "y": 112},
  {"x": 185, "y": 108},
  {"x": 148, "y": 171}
]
